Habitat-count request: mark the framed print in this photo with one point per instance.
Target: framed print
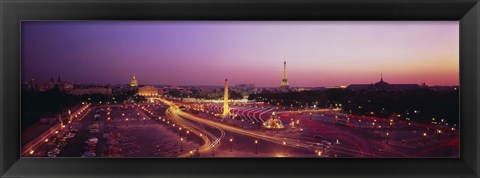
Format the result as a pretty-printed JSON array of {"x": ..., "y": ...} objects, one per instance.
[{"x": 240, "y": 88}]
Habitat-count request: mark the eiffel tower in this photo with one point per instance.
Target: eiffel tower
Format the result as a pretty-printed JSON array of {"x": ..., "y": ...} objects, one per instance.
[{"x": 284, "y": 84}]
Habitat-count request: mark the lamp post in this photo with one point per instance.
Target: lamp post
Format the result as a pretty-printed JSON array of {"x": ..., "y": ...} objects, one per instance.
[
  {"x": 213, "y": 150},
  {"x": 188, "y": 133},
  {"x": 256, "y": 146},
  {"x": 46, "y": 147},
  {"x": 231, "y": 143},
  {"x": 284, "y": 148},
  {"x": 181, "y": 144},
  {"x": 387, "y": 137},
  {"x": 424, "y": 138},
  {"x": 439, "y": 131}
]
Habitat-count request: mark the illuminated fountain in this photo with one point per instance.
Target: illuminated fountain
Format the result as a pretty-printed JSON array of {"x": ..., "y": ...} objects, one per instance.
[{"x": 273, "y": 123}]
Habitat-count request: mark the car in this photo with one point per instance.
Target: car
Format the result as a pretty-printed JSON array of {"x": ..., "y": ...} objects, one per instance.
[
  {"x": 88, "y": 154},
  {"x": 56, "y": 151},
  {"x": 70, "y": 135},
  {"x": 326, "y": 144}
]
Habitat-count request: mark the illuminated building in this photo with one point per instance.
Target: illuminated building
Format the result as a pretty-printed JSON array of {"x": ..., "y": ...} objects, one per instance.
[
  {"x": 273, "y": 123},
  {"x": 148, "y": 91},
  {"x": 133, "y": 82},
  {"x": 91, "y": 91},
  {"x": 226, "y": 111},
  {"x": 284, "y": 84}
]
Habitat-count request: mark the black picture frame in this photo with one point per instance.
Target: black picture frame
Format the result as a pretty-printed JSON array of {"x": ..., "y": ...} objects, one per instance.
[{"x": 14, "y": 11}]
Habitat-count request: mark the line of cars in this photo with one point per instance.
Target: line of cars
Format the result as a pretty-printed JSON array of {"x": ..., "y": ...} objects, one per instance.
[
  {"x": 60, "y": 142},
  {"x": 94, "y": 129}
]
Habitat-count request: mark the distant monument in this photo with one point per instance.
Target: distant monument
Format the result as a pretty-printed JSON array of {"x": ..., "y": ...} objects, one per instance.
[
  {"x": 284, "y": 84},
  {"x": 133, "y": 82},
  {"x": 383, "y": 86},
  {"x": 226, "y": 110}
]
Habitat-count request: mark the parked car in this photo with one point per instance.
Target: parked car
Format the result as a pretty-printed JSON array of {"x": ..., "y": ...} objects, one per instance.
[{"x": 70, "y": 135}]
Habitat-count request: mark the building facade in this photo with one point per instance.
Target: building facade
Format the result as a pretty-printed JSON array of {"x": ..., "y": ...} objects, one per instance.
[
  {"x": 149, "y": 91},
  {"x": 92, "y": 90}
]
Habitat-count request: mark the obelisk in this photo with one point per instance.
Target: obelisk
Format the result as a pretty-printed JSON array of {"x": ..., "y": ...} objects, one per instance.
[{"x": 226, "y": 110}]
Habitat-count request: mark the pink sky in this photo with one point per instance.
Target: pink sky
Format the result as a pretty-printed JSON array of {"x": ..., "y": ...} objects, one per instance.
[{"x": 207, "y": 52}]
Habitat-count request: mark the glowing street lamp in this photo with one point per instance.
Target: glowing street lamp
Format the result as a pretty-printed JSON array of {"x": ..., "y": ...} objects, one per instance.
[
  {"x": 387, "y": 136},
  {"x": 213, "y": 150},
  {"x": 231, "y": 143},
  {"x": 424, "y": 138},
  {"x": 181, "y": 144},
  {"x": 256, "y": 146},
  {"x": 46, "y": 147},
  {"x": 438, "y": 133}
]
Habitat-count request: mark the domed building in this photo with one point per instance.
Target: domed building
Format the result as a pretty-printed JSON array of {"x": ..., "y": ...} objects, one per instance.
[
  {"x": 382, "y": 85},
  {"x": 134, "y": 82},
  {"x": 273, "y": 123}
]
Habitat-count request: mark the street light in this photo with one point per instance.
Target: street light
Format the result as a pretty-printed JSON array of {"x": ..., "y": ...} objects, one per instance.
[
  {"x": 181, "y": 144},
  {"x": 439, "y": 131},
  {"x": 46, "y": 147},
  {"x": 231, "y": 143},
  {"x": 256, "y": 146},
  {"x": 213, "y": 150},
  {"x": 387, "y": 136},
  {"x": 284, "y": 147},
  {"x": 424, "y": 138}
]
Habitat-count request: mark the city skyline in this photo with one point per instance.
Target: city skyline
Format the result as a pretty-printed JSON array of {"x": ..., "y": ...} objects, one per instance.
[{"x": 205, "y": 53}]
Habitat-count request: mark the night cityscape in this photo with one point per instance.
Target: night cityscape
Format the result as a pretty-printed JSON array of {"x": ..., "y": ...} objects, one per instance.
[{"x": 256, "y": 89}]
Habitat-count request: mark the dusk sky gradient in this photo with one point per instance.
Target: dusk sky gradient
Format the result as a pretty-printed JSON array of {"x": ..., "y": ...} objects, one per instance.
[{"x": 206, "y": 52}]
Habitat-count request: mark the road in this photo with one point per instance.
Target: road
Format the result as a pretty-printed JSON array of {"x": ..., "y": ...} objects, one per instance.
[{"x": 177, "y": 113}]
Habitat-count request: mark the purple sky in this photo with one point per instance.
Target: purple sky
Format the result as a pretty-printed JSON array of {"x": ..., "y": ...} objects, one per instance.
[{"x": 207, "y": 52}]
